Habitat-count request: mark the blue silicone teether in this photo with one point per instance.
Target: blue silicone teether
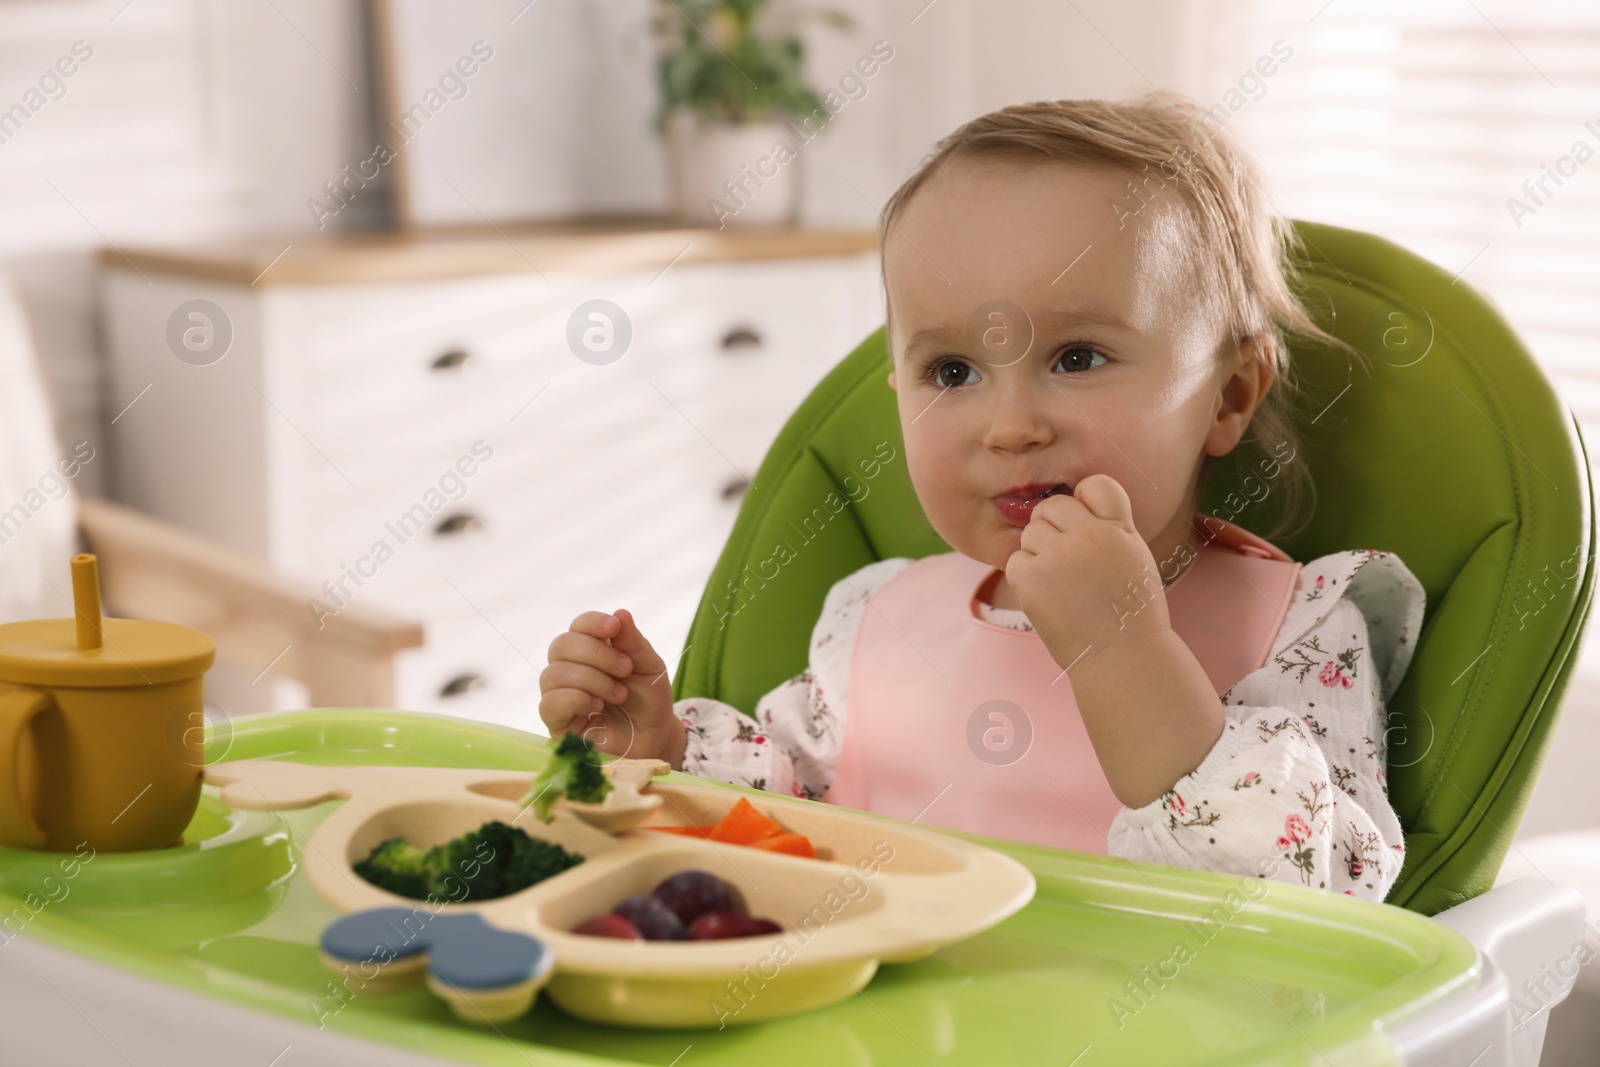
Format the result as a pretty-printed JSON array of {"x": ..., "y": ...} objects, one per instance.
[{"x": 488, "y": 974}]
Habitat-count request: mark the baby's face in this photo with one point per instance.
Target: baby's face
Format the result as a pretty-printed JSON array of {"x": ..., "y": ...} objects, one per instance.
[{"x": 1124, "y": 376}]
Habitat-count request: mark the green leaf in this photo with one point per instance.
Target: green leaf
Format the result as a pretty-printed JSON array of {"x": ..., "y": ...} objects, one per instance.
[{"x": 760, "y": 74}]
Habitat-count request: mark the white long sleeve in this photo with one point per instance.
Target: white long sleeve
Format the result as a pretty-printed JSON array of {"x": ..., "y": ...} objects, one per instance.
[{"x": 1293, "y": 789}]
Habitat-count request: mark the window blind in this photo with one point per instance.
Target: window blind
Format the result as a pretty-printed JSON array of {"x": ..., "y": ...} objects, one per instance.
[
  {"x": 1433, "y": 125},
  {"x": 106, "y": 130},
  {"x": 1465, "y": 130}
]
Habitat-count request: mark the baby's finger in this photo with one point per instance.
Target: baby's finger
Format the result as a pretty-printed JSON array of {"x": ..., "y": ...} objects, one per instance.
[
  {"x": 596, "y": 623},
  {"x": 593, "y": 651},
  {"x": 581, "y": 676},
  {"x": 1060, "y": 512},
  {"x": 632, "y": 642},
  {"x": 1105, "y": 498},
  {"x": 562, "y": 709},
  {"x": 599, "y": 625},
  {"x": 1018, "y": 564},
  {"x": 1042, "y": 529}
]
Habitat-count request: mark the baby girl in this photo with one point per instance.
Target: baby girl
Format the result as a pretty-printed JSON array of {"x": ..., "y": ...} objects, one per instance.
[{"x": 1087, "y": 307}]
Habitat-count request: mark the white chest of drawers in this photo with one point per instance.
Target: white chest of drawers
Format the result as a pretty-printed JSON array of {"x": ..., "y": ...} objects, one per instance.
[{"x": 409, "y": 425}]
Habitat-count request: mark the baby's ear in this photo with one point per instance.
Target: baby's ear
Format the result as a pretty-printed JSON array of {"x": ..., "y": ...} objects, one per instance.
[{"x": 891, "y": 382}]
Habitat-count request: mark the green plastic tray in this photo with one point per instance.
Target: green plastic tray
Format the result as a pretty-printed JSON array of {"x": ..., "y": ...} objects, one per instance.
[{"x": 1112, "y": 962}]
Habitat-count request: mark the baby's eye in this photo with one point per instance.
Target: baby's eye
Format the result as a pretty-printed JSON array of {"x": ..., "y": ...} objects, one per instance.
[
  {"x": 1079, "y": 357},
  {"x": 947, "y": 373}
]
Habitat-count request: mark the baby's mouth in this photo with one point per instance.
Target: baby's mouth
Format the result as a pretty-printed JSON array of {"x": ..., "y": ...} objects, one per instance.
[{"x": 1018, "y": 510}]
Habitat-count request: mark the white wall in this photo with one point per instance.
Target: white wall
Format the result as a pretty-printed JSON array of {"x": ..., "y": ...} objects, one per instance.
[{"x": 957, "y": 59}]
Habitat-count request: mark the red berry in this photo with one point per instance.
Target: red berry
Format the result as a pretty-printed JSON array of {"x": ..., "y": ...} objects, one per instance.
[
  {"x": 609, "y": 925},
  {"x": 655, "y": 920},
  {"x": 715, "y": 925},
  {"x": 690, "y": 894}
]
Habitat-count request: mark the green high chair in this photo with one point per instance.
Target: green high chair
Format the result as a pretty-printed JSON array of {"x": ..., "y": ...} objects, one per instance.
[{"x": 1453, "y": 451}]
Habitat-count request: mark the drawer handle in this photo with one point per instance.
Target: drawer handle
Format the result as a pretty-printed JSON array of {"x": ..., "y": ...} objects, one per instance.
[
  {"x": 740, "y": 338},
  {"x": 457, "y": 359},
  {"x": 463, "y": 684},
  {"x": 735, "y": 487},
  {"x": 455, "y": 525}
]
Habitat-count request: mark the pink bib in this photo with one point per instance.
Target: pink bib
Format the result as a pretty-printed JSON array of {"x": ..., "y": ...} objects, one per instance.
[{"x": 957, "y": 722}]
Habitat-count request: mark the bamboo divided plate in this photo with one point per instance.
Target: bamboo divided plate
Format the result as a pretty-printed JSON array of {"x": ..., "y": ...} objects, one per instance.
[{"x": 878, "y": 891}]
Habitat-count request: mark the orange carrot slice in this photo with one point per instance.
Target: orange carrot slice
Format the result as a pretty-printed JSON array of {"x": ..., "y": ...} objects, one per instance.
[
  {"x": 687, "y": 831},
  {"x": 744, "y": 825},
  {"x": 791, "y": 844}
]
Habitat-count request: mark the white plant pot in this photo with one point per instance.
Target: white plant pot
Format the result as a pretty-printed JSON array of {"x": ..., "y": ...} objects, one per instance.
[{"x": 724, "y": 175}]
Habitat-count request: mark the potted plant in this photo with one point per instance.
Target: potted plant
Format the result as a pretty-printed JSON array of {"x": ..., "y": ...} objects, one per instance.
[{"x": 730, "y": 80}]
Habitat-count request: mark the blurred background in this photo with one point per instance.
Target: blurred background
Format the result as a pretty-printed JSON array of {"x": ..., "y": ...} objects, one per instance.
[{"x": 382, "y": 338}]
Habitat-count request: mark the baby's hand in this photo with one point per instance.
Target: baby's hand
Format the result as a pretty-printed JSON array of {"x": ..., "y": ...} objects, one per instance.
[
  {"x": 606, "y": 683},
  {"x": 1084, "y": 575}
]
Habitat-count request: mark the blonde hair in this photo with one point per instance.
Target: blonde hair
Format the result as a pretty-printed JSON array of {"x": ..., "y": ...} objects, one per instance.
[{"x": 1242, "y": 255}]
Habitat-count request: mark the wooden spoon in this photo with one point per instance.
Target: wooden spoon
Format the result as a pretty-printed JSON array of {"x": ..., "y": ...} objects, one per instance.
[{"x": 625, "y": 806}]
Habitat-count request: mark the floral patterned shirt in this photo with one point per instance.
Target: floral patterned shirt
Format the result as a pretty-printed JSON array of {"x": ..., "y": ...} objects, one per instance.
[{"x": 1293, "y": 789}]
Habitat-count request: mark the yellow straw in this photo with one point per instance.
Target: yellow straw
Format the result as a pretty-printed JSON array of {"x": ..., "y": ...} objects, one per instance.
[{"x": 86, "y": 598}]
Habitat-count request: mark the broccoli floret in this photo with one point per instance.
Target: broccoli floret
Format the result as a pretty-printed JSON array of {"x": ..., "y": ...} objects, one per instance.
[
  {"x": 474, "y": 860},
  {"x": 573, "y": 770},
  {"x": 588, "y": 784},
  {"x": 532, "y": 860},
  {"x": 398, "y": 866},
  {"x": 492, "y": 861}
]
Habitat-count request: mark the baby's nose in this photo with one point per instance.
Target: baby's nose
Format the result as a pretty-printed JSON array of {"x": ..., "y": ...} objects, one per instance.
[{"x": 1017, "y": 426}]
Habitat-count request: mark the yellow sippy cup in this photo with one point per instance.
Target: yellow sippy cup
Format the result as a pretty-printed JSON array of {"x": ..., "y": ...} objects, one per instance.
[{"x": 97, "y": 737}]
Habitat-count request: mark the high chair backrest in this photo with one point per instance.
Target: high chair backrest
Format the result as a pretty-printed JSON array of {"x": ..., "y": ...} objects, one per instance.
[{"x": 1452, "y": 451}]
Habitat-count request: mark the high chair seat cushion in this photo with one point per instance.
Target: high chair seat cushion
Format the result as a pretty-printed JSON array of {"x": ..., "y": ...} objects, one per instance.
[{"x": 1448, "y": 447}]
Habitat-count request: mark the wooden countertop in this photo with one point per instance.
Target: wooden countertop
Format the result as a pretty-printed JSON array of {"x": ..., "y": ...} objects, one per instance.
[{"x": 602, "y": 243}]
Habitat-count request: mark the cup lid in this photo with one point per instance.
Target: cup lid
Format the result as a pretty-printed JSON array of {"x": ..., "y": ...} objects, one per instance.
[{"x": 133, "y": 652}]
